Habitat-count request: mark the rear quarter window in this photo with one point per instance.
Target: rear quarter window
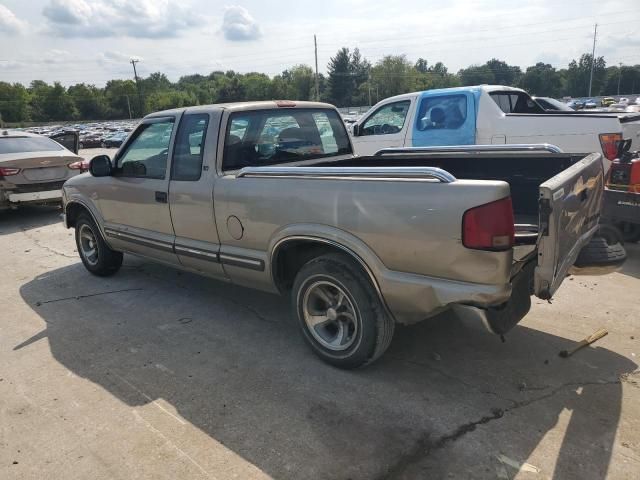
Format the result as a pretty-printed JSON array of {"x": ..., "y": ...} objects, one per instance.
[{"x": 275, "y": 136}]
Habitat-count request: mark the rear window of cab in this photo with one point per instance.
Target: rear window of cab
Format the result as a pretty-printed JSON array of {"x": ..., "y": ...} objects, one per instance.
[{"x": 284, "y": 135}]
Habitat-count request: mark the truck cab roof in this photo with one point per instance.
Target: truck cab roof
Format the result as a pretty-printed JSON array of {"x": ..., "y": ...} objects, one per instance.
[
  {"x": 472, "y": 88},
  {"x": 241, "y": 106}
]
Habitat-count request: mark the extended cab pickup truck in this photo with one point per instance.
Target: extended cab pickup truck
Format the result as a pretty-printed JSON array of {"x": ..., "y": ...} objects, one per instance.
[
  {"x": 488, "y": 114},
  {"x": 269, "y": 195}
]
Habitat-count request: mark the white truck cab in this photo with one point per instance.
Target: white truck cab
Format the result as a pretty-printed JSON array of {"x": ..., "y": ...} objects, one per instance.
[{"x": 485, "y": 115}]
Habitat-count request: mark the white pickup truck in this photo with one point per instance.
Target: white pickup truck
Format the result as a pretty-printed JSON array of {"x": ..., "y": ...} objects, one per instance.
[{"x": 484, "y": 115}]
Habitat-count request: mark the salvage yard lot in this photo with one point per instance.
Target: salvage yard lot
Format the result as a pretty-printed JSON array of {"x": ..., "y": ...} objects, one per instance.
[{"x": 155, "y": 373}]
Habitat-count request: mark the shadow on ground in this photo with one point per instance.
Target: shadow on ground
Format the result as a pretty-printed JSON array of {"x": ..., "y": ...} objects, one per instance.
[
  {"x": 28, "y": 218},
  {"x": 632, "y": 266},
  {"x": 231, "y": 362}
]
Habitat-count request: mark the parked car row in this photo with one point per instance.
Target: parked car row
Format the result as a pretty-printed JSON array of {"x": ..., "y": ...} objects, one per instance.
[{"x": 92, "y": 135}]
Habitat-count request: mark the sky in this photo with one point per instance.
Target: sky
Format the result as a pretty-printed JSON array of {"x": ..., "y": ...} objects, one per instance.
[{"x": 92, "y": 41}]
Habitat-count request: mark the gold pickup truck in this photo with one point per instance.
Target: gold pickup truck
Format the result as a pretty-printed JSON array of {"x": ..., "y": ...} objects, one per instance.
[{"x": 270, "y": 195}]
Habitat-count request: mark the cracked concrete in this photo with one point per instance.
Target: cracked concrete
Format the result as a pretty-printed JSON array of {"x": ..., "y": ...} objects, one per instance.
[{"x": 154, "y": 373}]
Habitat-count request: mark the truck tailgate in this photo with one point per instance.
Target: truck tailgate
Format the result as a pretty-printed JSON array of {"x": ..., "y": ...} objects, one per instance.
[{"x": 570, "y": 206}]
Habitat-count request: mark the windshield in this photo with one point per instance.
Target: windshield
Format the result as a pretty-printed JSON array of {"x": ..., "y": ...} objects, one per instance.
[{"x": 27, "y": 144}]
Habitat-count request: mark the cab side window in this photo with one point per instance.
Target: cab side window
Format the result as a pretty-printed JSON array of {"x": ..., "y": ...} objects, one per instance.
[
  {"x": 189, "y": 148},
  {"x": 271, "y": 137},
  {"x": 387, "y": 119},
  {"x": 444, "y": 112},
  {"x": 146, "y": 154}
]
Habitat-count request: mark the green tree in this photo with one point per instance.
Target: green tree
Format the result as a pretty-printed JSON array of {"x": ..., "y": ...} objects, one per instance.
[
  {"x": 89, "y": 101},
  {"x": 627, "y": 78},
  {"x": 542, "y": 80},
  {"x": 421, "y": 65},
  {"x": 476, "y": 75},
  {"x": 14, "y": 102},
  {"x": 393, "y": 75},
  {"x": 503, "y": 73},
  {"x": 121, "y": 97},
  {"x": 257, "y": 86},
  {"x": 58, "y": 105},
  {"x": 578, "y": 75},
  {"x": 341, "y": 85},
  {"x": 360, "y": 73}
]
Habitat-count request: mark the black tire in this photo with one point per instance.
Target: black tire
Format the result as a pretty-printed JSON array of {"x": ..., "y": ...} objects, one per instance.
[
  {"x": 80, "y": 146},
  {"x": 630, "y": 231},
  {"x": 106, "y": 261},
  {"x": 598, "y": 253},
  {"x": 610, "y": 233},
  {"x": 373, "y": 328}
]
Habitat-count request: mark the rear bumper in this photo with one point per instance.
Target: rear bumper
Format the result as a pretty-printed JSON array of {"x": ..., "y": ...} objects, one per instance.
[
  {"x": 35, "y": 197},
  {"x": 412, "y": 298}
]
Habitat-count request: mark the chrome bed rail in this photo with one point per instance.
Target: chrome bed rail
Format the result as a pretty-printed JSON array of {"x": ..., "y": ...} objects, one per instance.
[
  {"x": 348, "y": 173},
  {"x": 471, "y": 149}
]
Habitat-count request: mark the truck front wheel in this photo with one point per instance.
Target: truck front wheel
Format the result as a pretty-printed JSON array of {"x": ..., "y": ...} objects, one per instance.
[
  {"x": 95, "y": 254},
  {"x": 339, "y": 312}
]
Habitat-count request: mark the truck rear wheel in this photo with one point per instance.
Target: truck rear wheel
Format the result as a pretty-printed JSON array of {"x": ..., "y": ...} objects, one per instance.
[
  {"x": 95, "y": 254},
  {"x": 339, "y": 312}
]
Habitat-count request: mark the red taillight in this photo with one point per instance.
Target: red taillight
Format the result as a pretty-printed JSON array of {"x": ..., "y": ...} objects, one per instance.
[
  {"x": 490, "y": 226},
  {"x": 7, "y": 172},
  {"x": 634, "y": 181},
  {"x": 609, "y": 144},
  {"x": 82, "y": 165}
]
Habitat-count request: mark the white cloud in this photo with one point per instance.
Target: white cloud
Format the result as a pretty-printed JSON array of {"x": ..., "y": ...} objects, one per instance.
[
  {"x": 108, "y": 18},
  {"x": 239, "y": 25},
  {"x": 57, "y": 56},
  {"x": 9, "y": 23},
  {"x": 112, "y": 56}
]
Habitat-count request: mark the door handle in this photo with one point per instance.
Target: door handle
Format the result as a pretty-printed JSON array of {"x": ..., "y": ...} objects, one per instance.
[{"x": 161, "y": 197}]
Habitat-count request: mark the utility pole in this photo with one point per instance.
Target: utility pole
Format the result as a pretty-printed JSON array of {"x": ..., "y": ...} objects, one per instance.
[
  {"x": 619, "y": 77},
  {"x": 129, "y": 107},
  {"x": 135, "y": 74},
  {"x": 593, "y": 56},
  {"x": 315, "y": 44}
]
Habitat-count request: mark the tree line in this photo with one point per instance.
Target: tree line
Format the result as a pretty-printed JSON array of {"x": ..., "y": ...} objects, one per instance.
[{"x": 351, "y": 80}]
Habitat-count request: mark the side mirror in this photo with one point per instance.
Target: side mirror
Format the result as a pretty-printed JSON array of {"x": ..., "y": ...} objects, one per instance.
[
  {"x": 100, "y": 166},
  {"x": 356, "y": 130}
]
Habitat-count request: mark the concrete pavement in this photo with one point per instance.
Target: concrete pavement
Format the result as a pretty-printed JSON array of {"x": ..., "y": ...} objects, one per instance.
[{"x": 155, "y": 374}]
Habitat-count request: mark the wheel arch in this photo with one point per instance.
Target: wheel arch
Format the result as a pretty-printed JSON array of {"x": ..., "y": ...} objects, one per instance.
[
  {"x": 290, "y": 253},
  {"x": 74, "y": 208}
]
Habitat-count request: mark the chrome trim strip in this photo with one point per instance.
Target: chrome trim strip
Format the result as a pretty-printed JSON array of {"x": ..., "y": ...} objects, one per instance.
[
  {"x": 525, "y": 147},
  {"x": 197, "y": 253},
  {"x": 349, "y": 173},
  {"x": 239, "y": 261},
  {"x": 167, "y": 247}
]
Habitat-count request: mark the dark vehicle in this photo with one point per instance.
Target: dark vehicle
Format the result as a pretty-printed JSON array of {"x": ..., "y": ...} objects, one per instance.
[
  {"x": 91, "y": 141},
  {"x": 552, "y": 104},
  {"x": 621, "y": 204},
  {"x": 576, "y": 104},
  {"x": 114, "y": 141}
]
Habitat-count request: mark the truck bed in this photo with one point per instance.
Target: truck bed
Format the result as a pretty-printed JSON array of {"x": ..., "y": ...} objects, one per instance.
[{"x": 523, "y": 173}]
